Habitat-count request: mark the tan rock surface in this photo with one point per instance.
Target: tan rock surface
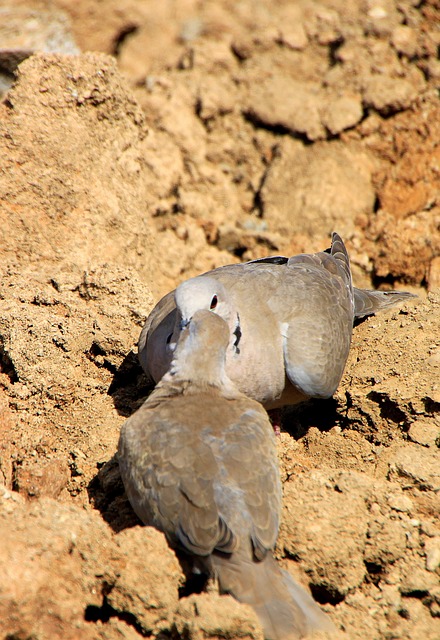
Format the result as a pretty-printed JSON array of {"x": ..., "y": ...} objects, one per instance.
[{"x": 113, "y": 189}]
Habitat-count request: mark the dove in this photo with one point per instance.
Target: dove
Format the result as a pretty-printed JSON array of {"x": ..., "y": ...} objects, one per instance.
[
  {"x": 198, "y": 461},
  {"x": 290, "y": 322}
]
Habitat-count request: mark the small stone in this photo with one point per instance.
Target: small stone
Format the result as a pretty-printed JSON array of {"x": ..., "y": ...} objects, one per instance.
[
  {"x": 416, "y": 465},
  {"x": 430, "y": 529},
  {"x": 294, "y": 105},
  {"x": 38, "y": 478},
  {"x": 418, "y": 580},
  {"x": 433, "y": 69},
  {"x": 434, "y": 361},
  {"x": 294, "y": 37},
  {"x": 404, "y": 40},
  {"x": 77, "y": 453},
  {"x": 202, "y": 615},
  {"x": 432, "y": 551},
  {"x": 342, "y": 113},
  {"x": 434, "y": 274},
  {"x": 386, "y": 542},
  {"x": 388, "y": 95},
  {"x": 424, "y": 432},
  {"x": 400, "y": 502},
  {"x": 377, "y": 13},
  {"x": 390, "y": 594}
]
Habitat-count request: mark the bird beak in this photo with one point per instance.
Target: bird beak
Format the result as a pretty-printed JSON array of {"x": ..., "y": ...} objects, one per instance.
[{"x": 183, "y": 324}]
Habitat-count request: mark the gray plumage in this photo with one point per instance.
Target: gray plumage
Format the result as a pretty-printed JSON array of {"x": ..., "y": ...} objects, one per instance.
[
  {"x": 198, "y": 461},
  {"x": 290, "y": 322}
]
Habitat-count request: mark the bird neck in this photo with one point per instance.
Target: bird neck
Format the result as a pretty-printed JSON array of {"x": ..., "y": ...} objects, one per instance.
[
  {"x": 197, "y": 371},
  {"x": 205, "y": 367}
]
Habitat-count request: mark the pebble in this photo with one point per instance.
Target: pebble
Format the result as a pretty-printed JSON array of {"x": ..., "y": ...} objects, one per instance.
[
  {"x": 434, "y": 274},
  {"x": 432, "y": 551},
  {"x": 416, "y": 465},
  {"x": 294, "y": 36},
  {"x": 343, "y": 113},
  {"x": 424, "y": 432},
  {"x": 418, "y": 580},
  {"x": 400, "y": 502},
  {"x": 387, "y": 94},
  {"x": 404, "y": 40}
]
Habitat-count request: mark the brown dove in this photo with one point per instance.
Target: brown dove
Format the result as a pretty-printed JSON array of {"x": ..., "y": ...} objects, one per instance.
[
  {"x": 198, "y": 461},
  {"x": 290, "y": 322}
]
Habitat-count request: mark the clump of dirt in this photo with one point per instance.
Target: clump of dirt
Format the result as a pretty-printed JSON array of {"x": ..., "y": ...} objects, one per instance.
[{"x": 217, "y": 132}]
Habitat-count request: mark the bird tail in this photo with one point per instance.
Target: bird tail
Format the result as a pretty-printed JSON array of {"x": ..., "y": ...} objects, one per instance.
[
  {"x": 367, "y": 301},
  {"x": 339, "y": 252},
  {"x": 286, "y": 611}
]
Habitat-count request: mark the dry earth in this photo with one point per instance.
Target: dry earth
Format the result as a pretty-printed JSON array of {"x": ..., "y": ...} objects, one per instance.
[{"x": 199, "y": 134}]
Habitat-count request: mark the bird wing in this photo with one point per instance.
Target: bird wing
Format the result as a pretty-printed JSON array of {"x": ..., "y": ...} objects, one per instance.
[
  {"x": 248, "y": 488},
  {"x": 154, "y": 354},
  {"x": 317, "y": 328},
  {"x": 168, "y": 473}
]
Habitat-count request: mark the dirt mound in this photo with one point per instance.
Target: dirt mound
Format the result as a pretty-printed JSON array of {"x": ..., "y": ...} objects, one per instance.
[{"x": 217, "y": 132}]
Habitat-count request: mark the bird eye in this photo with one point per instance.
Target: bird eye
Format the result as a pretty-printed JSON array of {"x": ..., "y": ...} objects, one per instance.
[{"x": 213, "y": 303}]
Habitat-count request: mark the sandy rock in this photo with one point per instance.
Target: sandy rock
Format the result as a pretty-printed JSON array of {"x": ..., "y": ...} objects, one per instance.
[
  {"x": 9, "y": 500},
  {"x": 332, "y": 186},
  {"x": 64, "y": 338},
  {"x": 6, "y": 437},
  {"x": 434, "y": 274},
  {"x": 404, "y": 40},
  {"x": 294, "y": 36},
  {"x": 104, "y": 217},
  {"x": 411, "y": 234},
  {"x": 386, "y": 541},
  {"x": 342, "y": 113},
  {"x": 51, "y": 558},
  {"x": 317, "y": 521},
  {"x": 400, "y": 502},
  {"x": 147, "y": 586},
  {"x": 391, "y": 402},
  {"x": 26, "y": 28},
  {"x": 388, "y": 95},
  {"x": 295, "y": 106},
  {"x": 44, "y": 347},
  {"x": 216, "y": 98},
  {"x": 417, "y": 579},
  {"x": 408, "y": 218},
  {"x": 432, "y": 550},
  {"x": 425, "y": 433},
  {"x": 38, "y": 478},
  {"x": 357, "y": 452},
  {"x": 134, "y": 573},
  {"x": 173, "y": 108},
  {"x": 201, "y": 617},
  {"x": 99, "y": 29},
  {"x": 416, "y": 465}
]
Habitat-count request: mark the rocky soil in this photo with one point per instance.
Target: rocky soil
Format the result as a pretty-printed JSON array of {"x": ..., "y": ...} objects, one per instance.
[{"x": 147, "y": 142}]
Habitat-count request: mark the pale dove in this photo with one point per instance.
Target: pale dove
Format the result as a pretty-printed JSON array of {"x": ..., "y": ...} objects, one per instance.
[
  {"x": 290, "y": 321},
  {"x": 198, "y": 461}
]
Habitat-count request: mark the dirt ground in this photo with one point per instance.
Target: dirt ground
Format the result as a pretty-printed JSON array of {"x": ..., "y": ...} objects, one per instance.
[{"x": 175, "y": 137}]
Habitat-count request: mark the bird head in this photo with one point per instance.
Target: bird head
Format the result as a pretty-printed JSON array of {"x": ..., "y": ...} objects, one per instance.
[{"x": 202, "y": 293}]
